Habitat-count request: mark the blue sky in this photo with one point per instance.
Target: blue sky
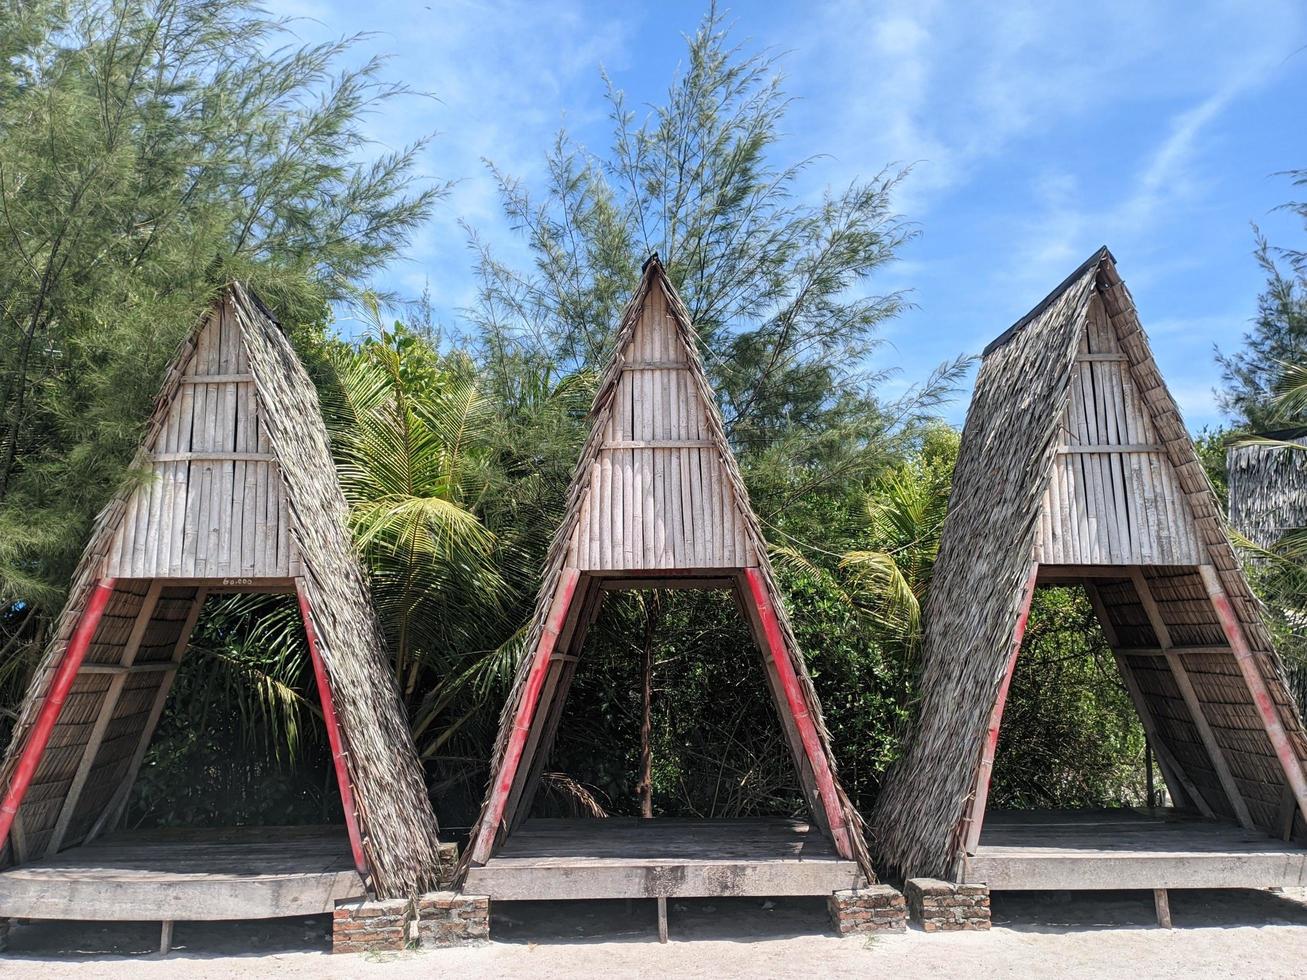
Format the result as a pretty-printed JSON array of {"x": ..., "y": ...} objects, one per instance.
[{"x": 1036, "y": 132}]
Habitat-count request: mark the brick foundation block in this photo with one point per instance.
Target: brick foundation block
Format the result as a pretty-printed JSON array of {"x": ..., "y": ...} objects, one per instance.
[
  {"x": 360, "y": 926},
  {"x": 448, "y": 855},
  {"x": 452, "y": 919},
  {"x": 876, "y": 908},
  {"x": 942, "y": 906}
]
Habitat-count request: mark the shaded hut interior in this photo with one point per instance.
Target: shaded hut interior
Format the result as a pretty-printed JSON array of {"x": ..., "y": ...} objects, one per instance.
[
  {"x": 1075, "y": 469},
  {"x": 237, "y": 494},
  {"x": 657, "y": 502}
]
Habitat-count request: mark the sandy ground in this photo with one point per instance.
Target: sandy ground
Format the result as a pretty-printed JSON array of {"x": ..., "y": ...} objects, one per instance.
[{"x": 1112, "y": 934}]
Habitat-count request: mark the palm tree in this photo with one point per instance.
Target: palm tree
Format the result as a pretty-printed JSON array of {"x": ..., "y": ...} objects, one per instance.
[{"x": 889, "y": 578}]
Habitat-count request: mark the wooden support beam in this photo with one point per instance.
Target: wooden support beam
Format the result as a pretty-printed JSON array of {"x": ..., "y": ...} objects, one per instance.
[
  {"x": 118, "y": 670},
  {"x": 807, "y": 780},
  {"x": 38, "y": 738},
  {"x": 975, "y": 817},
  {"x": 1181, "y": 676},
  {"x": 552, "y": 698},
  {"x": 165, "y": 937},
  {"x": 1110, "y": 448},
  {"x": 108, "y": 705},
  {"x": 1290, "y": 764},
  {"x": 798, "y": 708},
  {"x": 118, "y": 804},
  {"x": 215, "y": 379},
  {"x": 228, "y": 457},
  {"x": 1179, "y": 785},
  {"x": 335, "y": 738},
  {"x": 1180, "y": 650},
  {"x": 1162, "y": 905},
  {"x": 524, "y": 716},
  {"x": 659, "y": 444},
  {"x": 662, "y": 918}
]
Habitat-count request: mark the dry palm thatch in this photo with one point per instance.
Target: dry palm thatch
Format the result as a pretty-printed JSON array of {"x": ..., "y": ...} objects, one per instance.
[
  {"x": 237, "y": 489},
  {"x": 1144, "y": 519},
  {"x": 1268, "y": 486},
  {"x": 656, "y": 498}
]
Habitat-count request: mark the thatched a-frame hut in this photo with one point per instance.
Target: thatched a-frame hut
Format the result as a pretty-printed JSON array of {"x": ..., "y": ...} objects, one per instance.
[
  {"x": 1268, "y": 486},
  {"x": 1076, "y": 468},
  {"x": 239, "y": 494},
  {"x": 656, "y": 501}
]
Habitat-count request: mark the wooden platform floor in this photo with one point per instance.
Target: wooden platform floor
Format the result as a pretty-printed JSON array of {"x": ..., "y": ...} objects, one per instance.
[
  {"x": 186, "y": 875},
  {"x": 630, "y": 858},
  {"x": 1091, "y": 849}
]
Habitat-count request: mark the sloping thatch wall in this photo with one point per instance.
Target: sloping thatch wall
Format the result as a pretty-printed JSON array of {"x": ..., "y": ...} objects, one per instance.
[
  {"x": 1268, "y": 489},
  {"x": 657, "y": 488},
  {"x": 240, "y": 490},
  {"x": 995, "y": 531}
]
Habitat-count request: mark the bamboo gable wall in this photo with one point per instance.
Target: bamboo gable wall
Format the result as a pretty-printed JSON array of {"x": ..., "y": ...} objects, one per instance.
[
  {"x": 212, "y": 503},
  {"x": 1113, "y": 497},
  {"x": 658, "y": 494}
]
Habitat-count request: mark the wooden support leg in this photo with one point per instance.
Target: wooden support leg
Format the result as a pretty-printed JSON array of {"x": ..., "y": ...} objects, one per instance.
[
  {"x": 975, "y": 818},
  {"x": 108, "y": 705},
  {"x": 1193, "y": 704},
  {"x": 662, "y": 919},
  {"x": 1162, "y": 903},
  {"x": 165, "y": 938},
  {"x": 1295, "y": 775},
  {"x": 486, "y": 832}
]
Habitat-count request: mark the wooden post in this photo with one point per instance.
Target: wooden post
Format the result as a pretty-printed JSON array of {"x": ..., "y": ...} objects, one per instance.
[
  {"x": 1180, "y": 786},
  {"x": 165, "y": 937},
  {"x": 118, "y": 804},
  {"x": 976, "y": 816},
  {"x": 798, "y": 709},
  {"x": 524, "y": 717},
  {"x": 108, "y": 705},
  {"x": 1162, "y": 904},
  {"x": 334, "y": 739},
  {"x": 1260, "y": 693},
  {"x": 39, "y": 736},
  {"x": 1191, "y": 700},
  {"x": 662, "y": 919}
]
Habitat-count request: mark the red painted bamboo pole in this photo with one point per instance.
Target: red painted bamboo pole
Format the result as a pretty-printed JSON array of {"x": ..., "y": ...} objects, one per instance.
[
  {"x": 798, "y": 708},
  {"x": 977, "y": 816},
  {"x": 338, "y": 754},
  {"x": 1261, "y": 694},
  {"x": 62, "y": 682},
  {"x": 503, "y": 779}
]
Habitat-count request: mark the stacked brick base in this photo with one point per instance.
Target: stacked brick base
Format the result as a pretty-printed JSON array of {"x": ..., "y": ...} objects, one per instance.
[
  {"x": 432, "y": 920},
  {"x": 877, "y": 908},
  {"x": 452, "y": 919},
  {"x": 942, "y": 906}
]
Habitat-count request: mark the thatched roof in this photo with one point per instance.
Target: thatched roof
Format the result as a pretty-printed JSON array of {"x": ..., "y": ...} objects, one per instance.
[
  {"x": 1268, "y": 487},
  {"x": 1025, "y": 493},
  {"x": 656, "y": 496},
  {"x": 239, "y": 491}
]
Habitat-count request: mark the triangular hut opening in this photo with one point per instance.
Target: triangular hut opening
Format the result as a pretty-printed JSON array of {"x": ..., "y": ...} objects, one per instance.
[
  {"x": 656, "y": 502},
  {"x": 1076, "y": 468},
  {"x": 239, "y": 494}
]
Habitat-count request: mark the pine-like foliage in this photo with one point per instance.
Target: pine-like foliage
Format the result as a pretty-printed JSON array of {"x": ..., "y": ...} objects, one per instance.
[{"x": 149, "y": 151}]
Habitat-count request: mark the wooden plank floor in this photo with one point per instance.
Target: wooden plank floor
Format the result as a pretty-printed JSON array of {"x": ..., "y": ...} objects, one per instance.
[
  {"x": 1091, "y": 849},
  {"x": 631, "y": 858},
  {"x": 165, "y": 874}
]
